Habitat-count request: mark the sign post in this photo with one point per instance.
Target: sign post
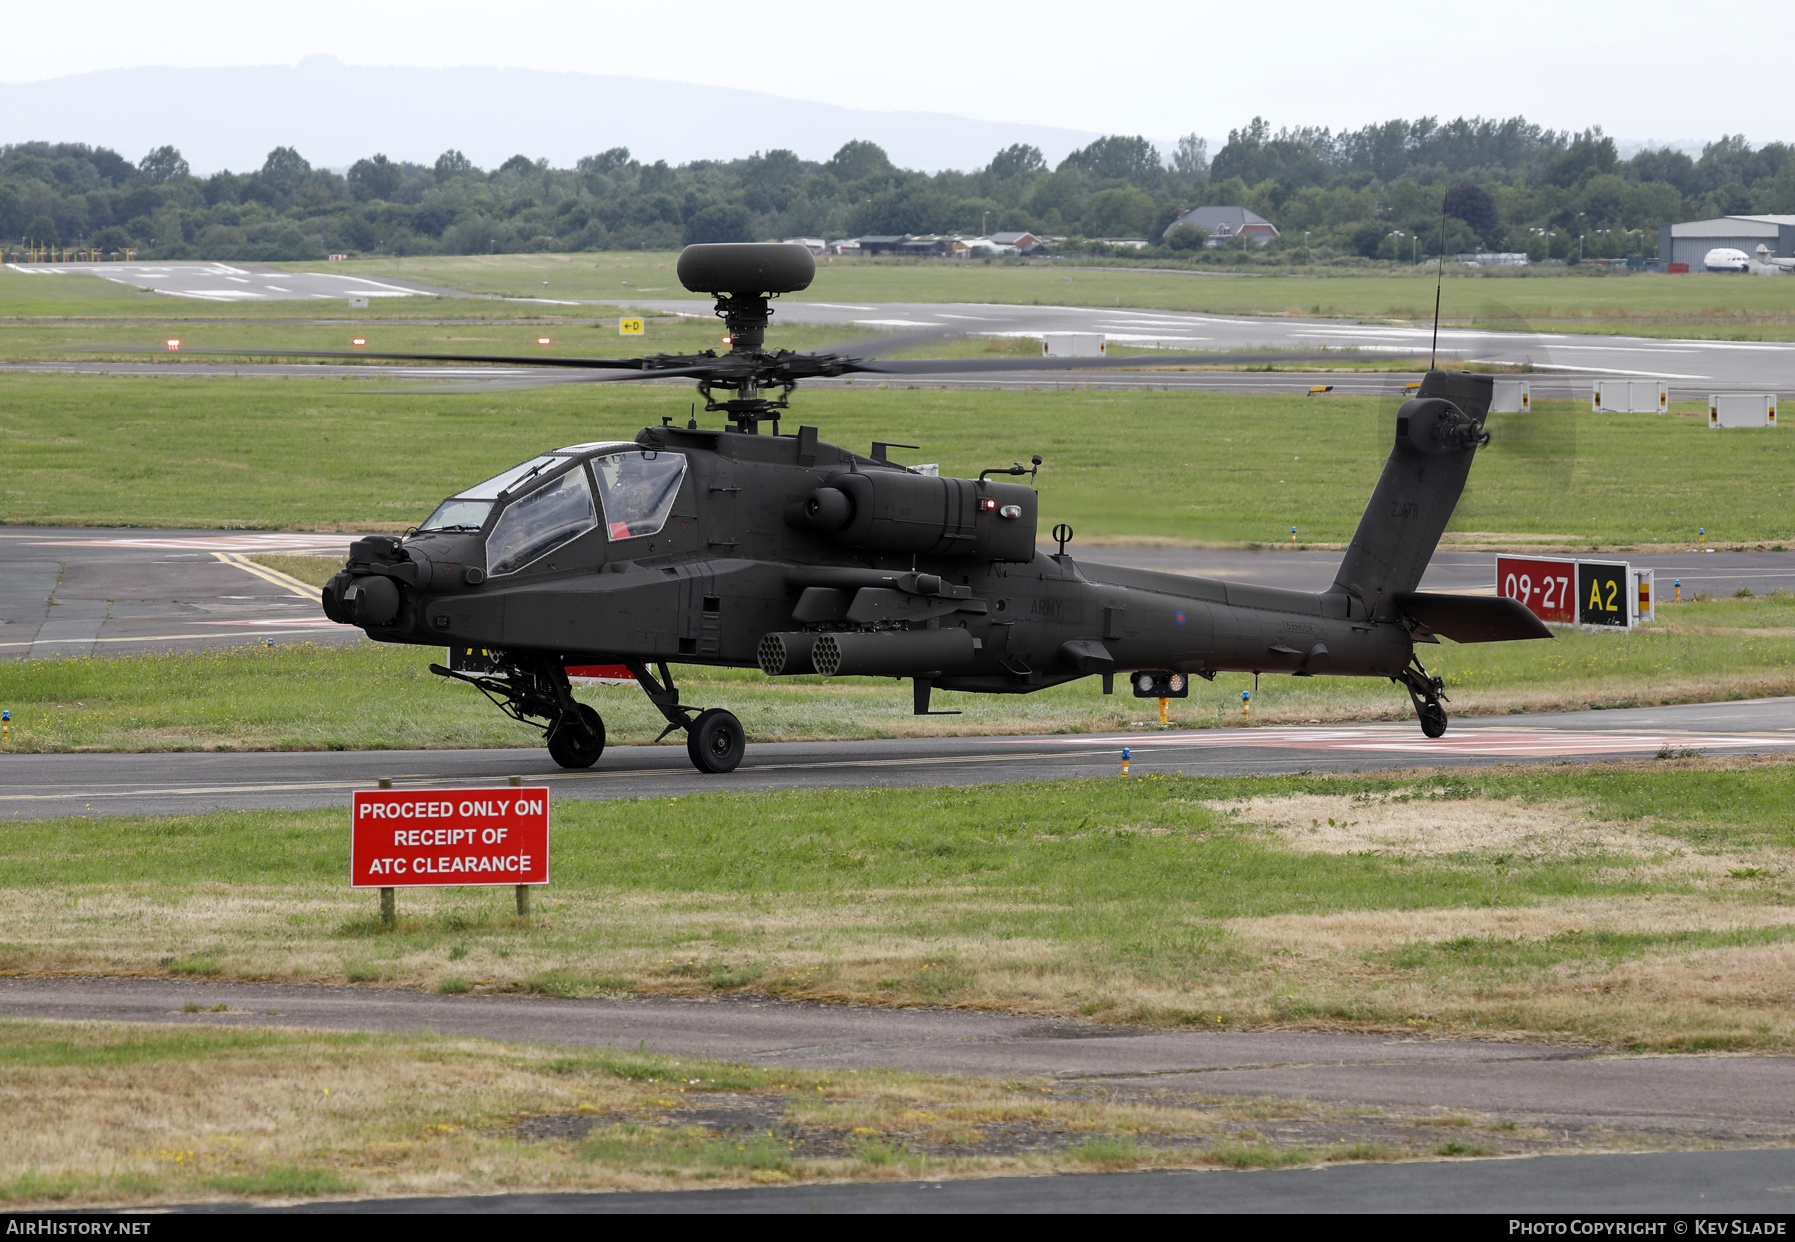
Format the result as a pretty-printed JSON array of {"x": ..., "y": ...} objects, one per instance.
[
  {"x": 437, "y": 838},
  {"x": 389, "y": 908}
]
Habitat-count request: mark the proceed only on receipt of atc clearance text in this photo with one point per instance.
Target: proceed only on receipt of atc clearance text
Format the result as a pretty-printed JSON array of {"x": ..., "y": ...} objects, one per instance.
[{"x": 403, "y": 838}]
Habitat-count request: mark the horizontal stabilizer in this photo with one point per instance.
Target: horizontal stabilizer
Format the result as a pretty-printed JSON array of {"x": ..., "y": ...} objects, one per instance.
[{"x": 1472, "y": 618}]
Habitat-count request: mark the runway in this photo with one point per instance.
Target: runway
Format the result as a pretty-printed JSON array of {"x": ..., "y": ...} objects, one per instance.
[
  {"x": 47, "y": 785},
  {"x": 1709, "y": 1185},
  {"x": 78, "y": 591}
]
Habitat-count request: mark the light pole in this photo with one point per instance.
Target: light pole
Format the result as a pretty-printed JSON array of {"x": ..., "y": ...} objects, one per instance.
[
  {"x": 1306, "y": 256},
  {"x": 1580, "y": 216},
  {"x": 1399, "y": 235},
  {"x": 983, "y": 216}
]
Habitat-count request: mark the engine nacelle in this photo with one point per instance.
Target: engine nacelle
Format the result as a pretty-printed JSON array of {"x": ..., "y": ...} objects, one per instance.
[{"x": 895, "y": 511}]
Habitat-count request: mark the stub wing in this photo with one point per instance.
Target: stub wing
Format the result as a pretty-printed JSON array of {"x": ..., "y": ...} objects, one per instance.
[{"x": 1471, "y": 618}]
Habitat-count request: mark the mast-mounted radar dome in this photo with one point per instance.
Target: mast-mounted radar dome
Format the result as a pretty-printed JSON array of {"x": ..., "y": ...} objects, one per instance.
[{"x": 746, "y": 268}]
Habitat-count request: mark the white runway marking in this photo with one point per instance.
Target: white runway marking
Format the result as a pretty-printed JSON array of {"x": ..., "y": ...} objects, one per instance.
[
  {"x": 274, "y": 541},
  {"x": 302, "y": 627},
  {"x": 211, "y": 295},
  {"x": 309, "y": 623},
  {"x": 1565, "y": 366},
  {"x": 1521, "y": 743}
]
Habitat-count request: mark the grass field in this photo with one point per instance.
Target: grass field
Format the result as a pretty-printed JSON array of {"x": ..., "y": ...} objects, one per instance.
[
  {"x": 329, "y": 454},
  {"x": 303, "y": 696},
  {"x": 280, "y": 1116},
  {"x": 1725, "y": 306},
  {"x": 1642, "y": 905}
]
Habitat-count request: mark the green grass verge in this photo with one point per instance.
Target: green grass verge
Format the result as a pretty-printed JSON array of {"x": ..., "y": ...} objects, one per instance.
[
  {"x": 1220, "y": 467},
  {"x": 1159, "y": 900},
  {"x": 1113, "y": 867}
]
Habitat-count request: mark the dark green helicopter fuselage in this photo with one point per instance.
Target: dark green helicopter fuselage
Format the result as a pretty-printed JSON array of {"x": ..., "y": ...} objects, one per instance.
[{"x": 790, "y": 554}]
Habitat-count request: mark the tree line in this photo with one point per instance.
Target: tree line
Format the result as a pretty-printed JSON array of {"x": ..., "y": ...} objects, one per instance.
[{"x": 1383, "y": 192}]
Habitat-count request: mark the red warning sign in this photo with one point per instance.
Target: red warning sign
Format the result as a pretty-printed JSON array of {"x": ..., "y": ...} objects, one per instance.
[{"x": 404, "y": 838}]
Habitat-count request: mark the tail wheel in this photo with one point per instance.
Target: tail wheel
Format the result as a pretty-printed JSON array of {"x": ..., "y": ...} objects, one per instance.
[
  {"x": 577, "y": 740},
  {"x": 715, "y": 741},
  {"x": 1433, "y": 719}
]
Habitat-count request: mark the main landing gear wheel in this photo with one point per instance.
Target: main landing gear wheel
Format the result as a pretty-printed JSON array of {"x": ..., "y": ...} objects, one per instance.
[
  {"x": 576, "y": 741},
  {"x": 715, "y": 741},
  {"x": 1427, "y": 693}
]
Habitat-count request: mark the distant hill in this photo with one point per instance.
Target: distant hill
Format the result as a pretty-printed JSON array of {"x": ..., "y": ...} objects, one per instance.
[{"x": 334, "y": 114}]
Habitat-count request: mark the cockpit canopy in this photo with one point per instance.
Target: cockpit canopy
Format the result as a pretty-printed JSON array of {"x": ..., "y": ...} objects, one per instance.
[{"x": 549, "y": 500}]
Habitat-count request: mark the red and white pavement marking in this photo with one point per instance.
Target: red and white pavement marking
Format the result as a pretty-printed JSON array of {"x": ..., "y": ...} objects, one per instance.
[
  {"x": 273, "y": 541},
  {"x": 1520, "y": 743}
]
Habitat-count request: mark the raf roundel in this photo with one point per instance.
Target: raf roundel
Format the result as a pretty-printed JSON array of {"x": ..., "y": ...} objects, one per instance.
[{"x": 1179, "y": 616}]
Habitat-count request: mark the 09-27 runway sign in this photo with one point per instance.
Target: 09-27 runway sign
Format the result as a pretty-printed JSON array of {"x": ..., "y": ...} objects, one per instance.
[
  {"x": 1571, "y": 592},
  {"x": 405, "y": 838}
]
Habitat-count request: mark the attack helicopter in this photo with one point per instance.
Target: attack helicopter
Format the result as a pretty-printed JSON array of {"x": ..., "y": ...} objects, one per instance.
[{"x": 741, "y": 548}]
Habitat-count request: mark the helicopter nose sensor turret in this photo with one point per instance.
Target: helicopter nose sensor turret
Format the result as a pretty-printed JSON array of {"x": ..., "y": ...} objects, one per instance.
[
  {"x": 371, "y": 601},
  {"x": 367, "y": 592}
]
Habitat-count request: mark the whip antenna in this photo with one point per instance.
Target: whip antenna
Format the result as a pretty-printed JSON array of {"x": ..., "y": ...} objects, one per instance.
[{"x": 1439, "y": 275}]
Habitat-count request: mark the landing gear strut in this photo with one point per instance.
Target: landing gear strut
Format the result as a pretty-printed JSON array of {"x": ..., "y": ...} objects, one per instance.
[
  {"x": 714, "y": 738},
  {"x": 535, "y": 688},
  {"x": 1427, "y": 692}
]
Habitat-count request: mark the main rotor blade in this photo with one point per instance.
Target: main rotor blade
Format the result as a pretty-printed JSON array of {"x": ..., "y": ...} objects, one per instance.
[
  {"x": 888, "y": 343},
  {"x": 439, "y": 388},
  {"x": 524, "y": 360},
  {"x": 944, "y": 366}
]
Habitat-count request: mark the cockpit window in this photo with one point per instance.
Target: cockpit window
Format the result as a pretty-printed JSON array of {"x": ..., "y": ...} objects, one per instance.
[
  {"x": 638, "y": 490},
  {"x": 498, "y": 483},
  {"x": 458, "y": 514},
  {"x": 540, "y": 521}
]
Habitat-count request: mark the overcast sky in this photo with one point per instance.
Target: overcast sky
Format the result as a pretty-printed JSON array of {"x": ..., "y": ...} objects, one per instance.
[{"x": 1646, "y": 69}]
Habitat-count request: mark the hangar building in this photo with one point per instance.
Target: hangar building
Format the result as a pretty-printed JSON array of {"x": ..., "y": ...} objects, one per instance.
[{"x": 1689, "y": 241}]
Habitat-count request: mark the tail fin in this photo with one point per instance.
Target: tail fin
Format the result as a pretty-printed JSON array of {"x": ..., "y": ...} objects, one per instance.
[{"x": 1437, "y": 434}]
